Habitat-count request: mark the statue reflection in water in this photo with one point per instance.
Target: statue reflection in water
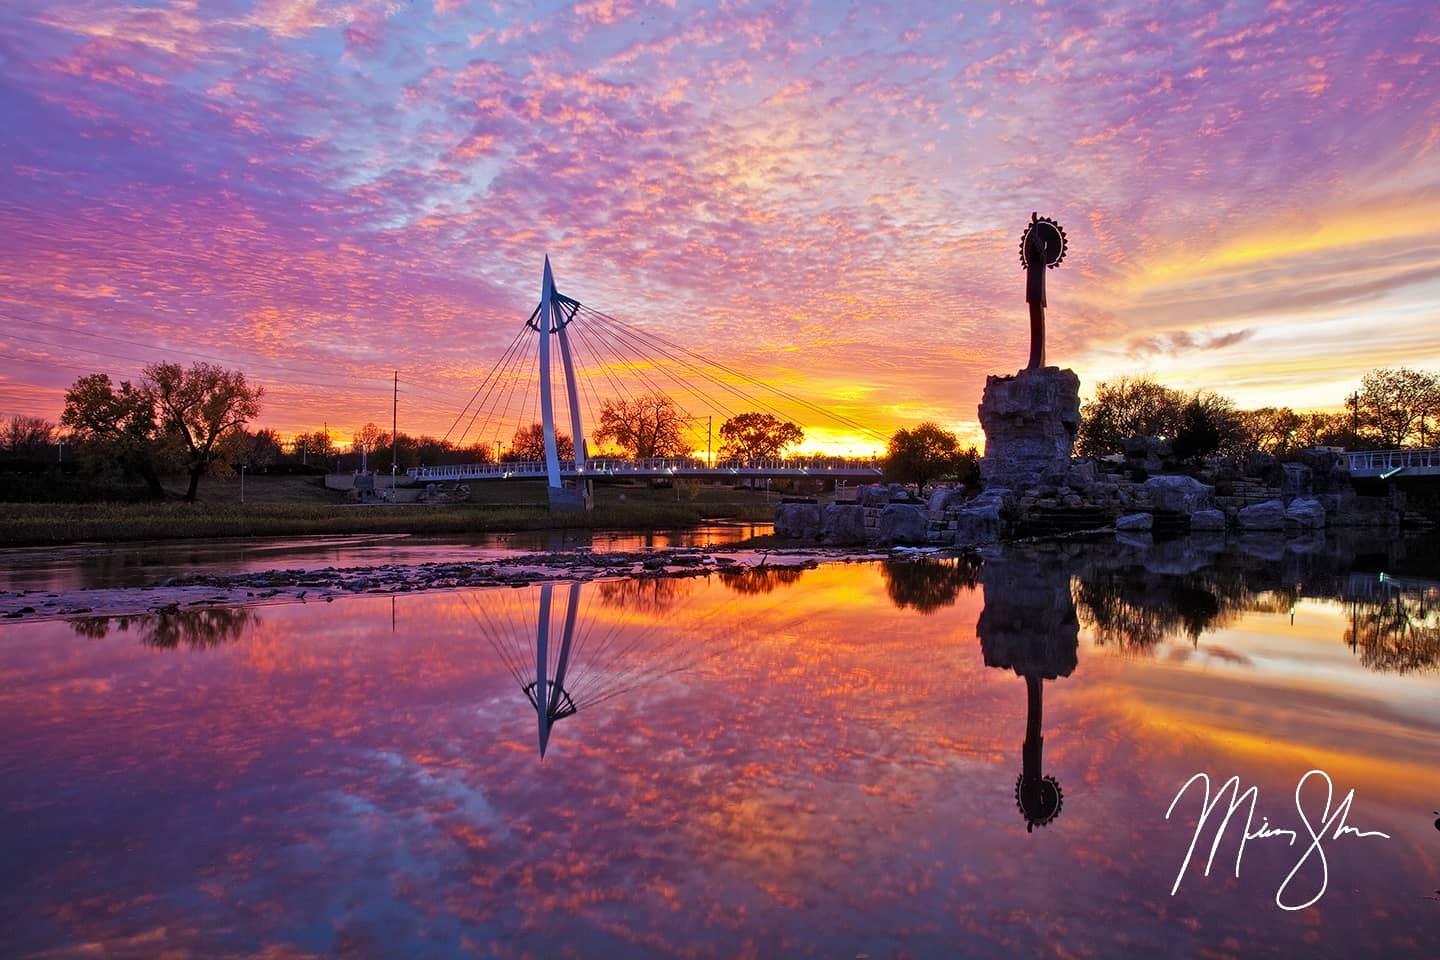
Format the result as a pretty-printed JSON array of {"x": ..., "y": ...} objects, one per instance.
[
  {"x": 1029, "y": 626},
  {"x": 566, "y": 654}
]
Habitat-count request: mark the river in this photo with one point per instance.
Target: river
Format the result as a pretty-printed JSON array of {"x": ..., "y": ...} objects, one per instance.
[{"x": 924, "y": 757}]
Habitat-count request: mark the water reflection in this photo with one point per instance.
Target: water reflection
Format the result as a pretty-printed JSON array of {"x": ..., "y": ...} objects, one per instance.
[
  {"x": 1134, "y": 600},
  {"x": 928, "y": 584},
  {"x": 1397, "y": 627},
  {"x": 651, "y": 595},
  {"x": 819, "y": 771},
  {"x": 1029, "y": 626},
  {"x": 567, "y": 654},
  {"x": 759, "y": 579},
  {"x": 171, "y": 629}
]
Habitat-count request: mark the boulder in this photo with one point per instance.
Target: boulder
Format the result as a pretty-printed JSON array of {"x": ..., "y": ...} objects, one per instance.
[
  {"x": 944, "y": 497},
  {"x": 797, "y": 521},
  {"x": 1207, "y": 520},
  {"x": 1146, "y": 453},
  {"x": 978, "y": 524},
  {"x": 1269, "y": 515},
  {"x": 843, "y": 525},
  {"x": 879, "y": 494},
  {"x": 1134, "y": 522},
  {"x": 1305, "y": 513},
  {"x": 1179, "y": 494},
  {"x": 902, "y": 523}
]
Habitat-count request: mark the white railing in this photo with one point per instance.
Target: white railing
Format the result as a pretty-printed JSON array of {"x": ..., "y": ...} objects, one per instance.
[
  {"x": 654, "y": 467},
  {"x": 1385, "y": 463}
]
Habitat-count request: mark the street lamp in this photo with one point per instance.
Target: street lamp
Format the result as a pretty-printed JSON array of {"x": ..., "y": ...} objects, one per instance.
[{"x": 242, "y": 483}]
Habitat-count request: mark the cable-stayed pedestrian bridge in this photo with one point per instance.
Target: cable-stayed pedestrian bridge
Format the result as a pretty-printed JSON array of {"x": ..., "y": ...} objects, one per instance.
[
  {"x": 648, "y": 395},
  {"x": 832, "y": 468},
  {"x": 1414, "y": 462}
]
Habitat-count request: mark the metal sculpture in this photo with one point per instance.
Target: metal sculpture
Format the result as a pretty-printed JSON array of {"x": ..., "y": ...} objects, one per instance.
[{"x": 1042, "y": 246}]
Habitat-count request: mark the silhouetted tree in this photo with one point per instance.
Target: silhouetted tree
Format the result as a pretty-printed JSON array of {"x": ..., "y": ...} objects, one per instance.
[
  {"x": 315, "y": 448},
  {"x": 1125, "y": 408},
  {"x": 529, "y": 444},
  {"x": 757, "y": 436},
  {"x": 927, "y": 453},
  {"x": 1393, "y": 404},
  {"x": 647, "y": 426},
  {"x": 196, "y": 407},
  {"x": 28, "y": 436},
  {"x": 116, "y": 427},
  {"x": 1208, "y": 425},
  {"x": 367, "y": 440}
]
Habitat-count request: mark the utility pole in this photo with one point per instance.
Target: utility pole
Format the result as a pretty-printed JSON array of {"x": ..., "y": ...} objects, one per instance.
[
  {"x": 709, "y": 425},
  {"x": 394, "y": 433}
]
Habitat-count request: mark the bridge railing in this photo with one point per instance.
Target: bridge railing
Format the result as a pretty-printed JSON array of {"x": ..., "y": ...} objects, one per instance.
[
  {"x": 655, "y": 466},
  {"x": 1377, "y": 463}
]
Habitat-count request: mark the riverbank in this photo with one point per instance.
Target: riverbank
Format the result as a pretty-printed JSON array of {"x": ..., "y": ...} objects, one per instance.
[
  {"x": 188, "y": 595},
  {"x": 300, "y": 507}
]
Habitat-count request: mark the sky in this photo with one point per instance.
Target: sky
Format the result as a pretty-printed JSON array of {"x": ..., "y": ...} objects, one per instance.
[{"x": 825, "y": 197}]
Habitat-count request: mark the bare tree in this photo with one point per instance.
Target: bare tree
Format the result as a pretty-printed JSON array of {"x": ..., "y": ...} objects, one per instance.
[
  {"x": 197, "y": 407},
  {"x": 648, "y": 426},
  {"x": 28, "y": 435},
  {"x": 529, "y": 444},
  {"x": 1393, "y": 403},
  {"x": 1128, "y": 407}
]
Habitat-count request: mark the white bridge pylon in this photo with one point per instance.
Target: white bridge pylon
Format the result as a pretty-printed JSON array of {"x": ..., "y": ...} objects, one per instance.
[{"x": 552, "y": 316}]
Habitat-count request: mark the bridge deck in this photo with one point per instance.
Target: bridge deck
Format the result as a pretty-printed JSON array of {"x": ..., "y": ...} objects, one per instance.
[
  {"x": 1416, "y": 462},
  {"x": 867, "y": 470}
]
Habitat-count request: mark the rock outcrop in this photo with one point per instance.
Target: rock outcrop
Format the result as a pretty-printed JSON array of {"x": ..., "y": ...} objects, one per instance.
[
  {"x": 798, "y": 521},
  {"x": 1030, "y": 422}
]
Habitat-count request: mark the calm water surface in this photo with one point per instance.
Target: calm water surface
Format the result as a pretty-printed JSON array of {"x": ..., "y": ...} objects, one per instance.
[
  {"x": 938, "y": 759},
  {"x": 92, "y": 566}
]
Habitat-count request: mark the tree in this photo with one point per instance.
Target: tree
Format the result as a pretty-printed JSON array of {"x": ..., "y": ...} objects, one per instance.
[
  {"x": 757, "y": 436},
  {"x": 478, "y": 452},
  {"x": 317, "y": 444},
  {"x": 28, "y": 435},
  {"x": 1271, "y": 430},
  {"x": 116, "y": 426},
  {"x": 197, "y": 407},
  {"x": 529, "y": 444},
  {"x": 1127, "y": 408},
  {"x": 926, "y": 454},
  {"x": 1208, "y": 425},
  {"x": 647, "y": 426},
  {"x": 368, "y": 437},
  {"x": 1393, "y": 403},
  {"x": 1318, "y": 429},
  {"x": 263, "y": 449}
]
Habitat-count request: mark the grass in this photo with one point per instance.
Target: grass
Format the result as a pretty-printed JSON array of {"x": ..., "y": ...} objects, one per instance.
[{"x": 284, "y": 506}]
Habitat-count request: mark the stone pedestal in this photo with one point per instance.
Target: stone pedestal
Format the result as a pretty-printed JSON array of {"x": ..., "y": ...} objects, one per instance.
[{"x": 1030, "y": 421}]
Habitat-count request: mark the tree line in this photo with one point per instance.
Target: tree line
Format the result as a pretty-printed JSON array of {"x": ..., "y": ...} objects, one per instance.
[
  {"x": 1394, "y": 407},
  {"x": 195, "y": 420}
]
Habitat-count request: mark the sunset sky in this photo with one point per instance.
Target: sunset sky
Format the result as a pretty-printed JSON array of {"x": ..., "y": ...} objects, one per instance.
[{"x": 825, "y": 196}]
